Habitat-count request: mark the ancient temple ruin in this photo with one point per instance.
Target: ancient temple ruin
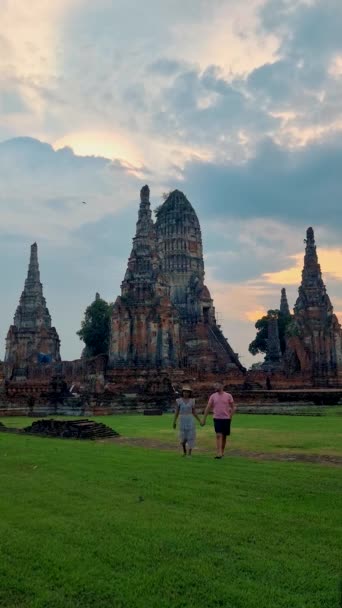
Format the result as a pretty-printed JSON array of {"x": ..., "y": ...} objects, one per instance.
[
  {"x": 164, "y": 330},
  {"x": 314, "y": 341},
  {"x": 180, "y": 250},
  {"x": 32, "y": 339},
  {"x": 145, "y": 328},
  {"x": 276, "y": 320},
  {"x": 284, "y": 305},
  {"x": 273, "y": 358},
  {"x": 165, "y": 315}
]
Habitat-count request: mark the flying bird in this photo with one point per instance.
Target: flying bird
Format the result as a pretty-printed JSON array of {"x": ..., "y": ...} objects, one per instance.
[{"x": 84, "y": 203}]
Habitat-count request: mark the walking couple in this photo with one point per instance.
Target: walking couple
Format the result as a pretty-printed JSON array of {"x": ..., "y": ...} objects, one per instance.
[{"x": 223, "y": 408}]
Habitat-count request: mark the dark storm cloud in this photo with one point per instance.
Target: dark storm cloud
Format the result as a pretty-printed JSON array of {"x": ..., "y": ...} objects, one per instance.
[
  {"x": 286, "y": 83},
  {"x": 205, "y": 107},
  {"x": 31, "y": 153},
  {"x": 110, "y": 236},
  {"x": 299, "y": 185},
  {"x": 59, "y": 176},
  {"x": 306, "y": 29},
  {"x": 239, "y": 251},
  {"x": 301, "y": 79}
]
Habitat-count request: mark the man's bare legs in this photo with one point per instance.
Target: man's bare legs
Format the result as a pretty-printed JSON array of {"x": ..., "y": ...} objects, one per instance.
[
  {"x": 219, "y": 443},
  {"x": 184, "y": 448}
]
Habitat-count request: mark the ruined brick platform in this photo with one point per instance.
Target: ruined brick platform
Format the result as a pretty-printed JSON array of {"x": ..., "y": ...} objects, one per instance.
[{"x": 66, "y": 429}]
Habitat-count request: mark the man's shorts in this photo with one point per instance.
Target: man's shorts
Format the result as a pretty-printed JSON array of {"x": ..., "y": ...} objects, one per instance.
[{"x": 222, "y": 426}]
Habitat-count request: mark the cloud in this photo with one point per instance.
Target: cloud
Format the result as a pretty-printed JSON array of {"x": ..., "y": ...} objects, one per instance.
[
  {"x": 306, "y": 28},
  {"x": 298, "y": 186},
  {"x": 238, "y": 306},
  {"x": 102, "y": 144},
  {"x": 239, "y": 250},
  {"x": 42, "y": 189},
  {"x": 236, "y": 103},
  {"x": 100, "y": 67},
  {"x": 82, "y": 248},
  {"x": 173, "y": 73},
  {"x": 11, "y": 102},
  {"x": 165, "y": 67},
  {"x": 329, "y": 259},
  {"x": 302, "y": 80},
  {"x": 196, "y": 104}
]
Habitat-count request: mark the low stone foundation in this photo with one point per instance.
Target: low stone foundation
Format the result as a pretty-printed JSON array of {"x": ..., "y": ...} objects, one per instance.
[
  {"x": 88, "y": 389},
  {"x": 105, "y": 405}
]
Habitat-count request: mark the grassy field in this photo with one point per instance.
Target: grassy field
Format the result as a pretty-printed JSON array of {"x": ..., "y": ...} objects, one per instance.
[
  {"x": 86, "y": 524},
  {"x": 261, "y": 433}
]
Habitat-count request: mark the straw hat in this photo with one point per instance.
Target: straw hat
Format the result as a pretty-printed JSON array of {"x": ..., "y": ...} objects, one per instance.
[{"x": 187, "y": 388}]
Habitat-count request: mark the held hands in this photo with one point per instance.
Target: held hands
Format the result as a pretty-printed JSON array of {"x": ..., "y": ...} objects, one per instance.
[{"x": 202, "y": 423}]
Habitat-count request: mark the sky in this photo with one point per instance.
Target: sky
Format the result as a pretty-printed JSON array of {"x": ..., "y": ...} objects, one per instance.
[{"x": 235, "y": 102}]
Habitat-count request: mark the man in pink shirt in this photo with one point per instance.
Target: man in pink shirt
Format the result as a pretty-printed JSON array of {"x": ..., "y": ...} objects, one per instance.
[{"x": 222, "y": 405}]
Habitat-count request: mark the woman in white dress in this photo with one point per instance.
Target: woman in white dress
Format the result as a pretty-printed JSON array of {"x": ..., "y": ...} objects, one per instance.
[{"x": 185, "y": 411}]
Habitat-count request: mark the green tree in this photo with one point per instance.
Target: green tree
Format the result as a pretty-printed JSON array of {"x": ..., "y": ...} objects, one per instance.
[
  {"x": 95, "y": 327},
  {"x": 259, "y": 344}
]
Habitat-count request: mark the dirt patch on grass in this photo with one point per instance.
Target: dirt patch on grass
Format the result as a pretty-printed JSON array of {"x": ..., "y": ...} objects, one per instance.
[
  {"x": 141, "y": 442},
  {"x": 323, "y": 459}
]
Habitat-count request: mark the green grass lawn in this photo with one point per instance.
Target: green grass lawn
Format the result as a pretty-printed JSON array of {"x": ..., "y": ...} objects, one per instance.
[
  {"x": 261, "y": 433},
  {"x": 99, "y": 524}
]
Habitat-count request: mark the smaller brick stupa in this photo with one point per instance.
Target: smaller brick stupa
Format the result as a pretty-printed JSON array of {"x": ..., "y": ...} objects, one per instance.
[
  {"x": 314, "y": 340},
  {"x": 32, "y": 339},
  {"x": 284, "y": 305},
  {"x": 273, "y": 358}
]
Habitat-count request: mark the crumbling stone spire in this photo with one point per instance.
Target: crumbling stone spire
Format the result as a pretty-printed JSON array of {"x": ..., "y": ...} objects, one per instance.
[
  {"x": 145, "y": 226},
  {"x": 273, "y": 352},
  {"x": 143, "y": 263},
  {"x": 284, "y": 305},
  {"x": 312, "y": 291},
  {"x": 33, "y": 275},
  {"x": 31, "y": 337},
  {"x": 314, "y": 345},
  {"x": 144, "y": 325},
  {"x": 32, "y": 311}
]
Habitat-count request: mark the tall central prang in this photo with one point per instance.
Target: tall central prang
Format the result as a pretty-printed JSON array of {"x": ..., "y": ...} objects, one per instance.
[
  {"x": 165, "y": 315},
  {"x": 180, "y": 249}
]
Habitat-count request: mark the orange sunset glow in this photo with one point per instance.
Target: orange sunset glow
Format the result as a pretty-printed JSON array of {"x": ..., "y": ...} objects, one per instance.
[
  {"x": 329, "y": 259},
  {"x": 111, "y": 146}
]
